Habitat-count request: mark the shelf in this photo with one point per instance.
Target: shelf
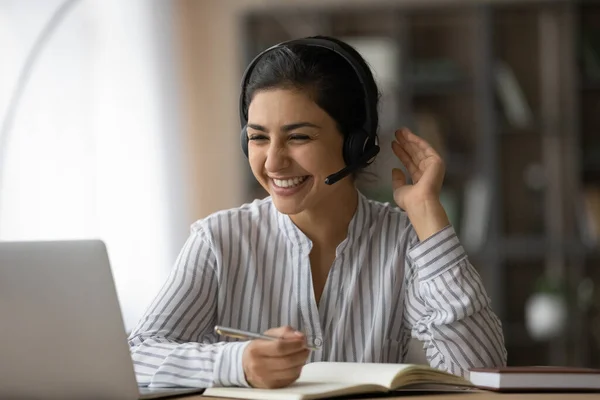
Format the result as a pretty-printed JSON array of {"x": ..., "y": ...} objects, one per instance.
[{"x": 437, "y": 76}]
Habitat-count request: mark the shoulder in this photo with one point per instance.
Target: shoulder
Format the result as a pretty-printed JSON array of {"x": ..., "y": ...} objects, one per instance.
[{"x": 233, "y": 220}]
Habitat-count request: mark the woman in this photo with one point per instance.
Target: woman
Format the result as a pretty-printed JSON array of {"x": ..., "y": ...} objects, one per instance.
[{"x": 317, "y": 263}]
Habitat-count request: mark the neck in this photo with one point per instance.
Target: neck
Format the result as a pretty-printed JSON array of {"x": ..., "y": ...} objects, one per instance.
[{"x": 327, "y": 224}]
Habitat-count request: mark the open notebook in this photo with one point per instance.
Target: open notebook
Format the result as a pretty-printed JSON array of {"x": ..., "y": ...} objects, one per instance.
[{"x": 326, "y": 379}]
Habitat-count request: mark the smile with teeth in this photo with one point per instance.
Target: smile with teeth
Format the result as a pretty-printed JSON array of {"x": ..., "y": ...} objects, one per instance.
[{"x": 289, "y": 183}]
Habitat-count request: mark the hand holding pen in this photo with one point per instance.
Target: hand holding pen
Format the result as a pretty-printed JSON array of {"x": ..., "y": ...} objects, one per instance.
[{"x": 274, "y": 362}]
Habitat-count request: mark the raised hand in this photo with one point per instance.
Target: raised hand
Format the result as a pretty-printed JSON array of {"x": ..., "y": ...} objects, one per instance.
[
  {"x": 421, "y": 199},
  {"x": 425, "y": 166}
]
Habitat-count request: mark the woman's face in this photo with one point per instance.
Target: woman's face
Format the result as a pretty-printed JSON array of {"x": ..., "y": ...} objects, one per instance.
[{"x": 293, "y": 146}]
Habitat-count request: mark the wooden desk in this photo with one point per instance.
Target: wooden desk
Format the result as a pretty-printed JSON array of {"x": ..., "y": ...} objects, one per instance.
[{"x": 471, "y": 396}]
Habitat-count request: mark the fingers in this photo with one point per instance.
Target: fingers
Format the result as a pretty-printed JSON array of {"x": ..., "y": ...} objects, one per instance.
[
  {"x": 410, "y": 147},
  {"x": 418, "y": 146},
  {"x": 411, "y": 150},
  {"x": 413, "y": 139},
  {"x": 407, "y": 160},
  {"x": 280, "y": 348},
  {"x": 275, "y": 363},
  {"x": 264, "y": 372},
  {"x": 286, "y": 362},
  {"x": 283, "y": 331},
  {"x": 271, "y": 363},
  {"x": 271, "y": 379},
  {"x": 398, "y": 178},
  {"x": 270, "y": 372},
  {"x": 290, "y": 342},
  {"x": 291, "y": 373},
  {"x": 414, "y": 152}
]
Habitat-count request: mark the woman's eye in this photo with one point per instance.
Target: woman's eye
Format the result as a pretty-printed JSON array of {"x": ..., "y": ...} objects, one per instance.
[
  {"x": 299, "y": 137},
  {"x": 257, "y": 137}
]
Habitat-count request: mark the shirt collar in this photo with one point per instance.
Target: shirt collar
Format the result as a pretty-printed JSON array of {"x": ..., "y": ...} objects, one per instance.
[
  {"x": 294, "y": 235},
  {"x": 359, "y": 223}
]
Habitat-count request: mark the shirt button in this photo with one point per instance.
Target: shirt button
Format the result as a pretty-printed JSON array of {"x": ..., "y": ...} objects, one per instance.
[{"x": 318, "y": 342}]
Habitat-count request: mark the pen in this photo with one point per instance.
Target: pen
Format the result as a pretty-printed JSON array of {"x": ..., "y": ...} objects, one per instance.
[{"x": 240, "y": 334}]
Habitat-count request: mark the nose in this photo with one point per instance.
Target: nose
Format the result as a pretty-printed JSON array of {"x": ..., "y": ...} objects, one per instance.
[{"x": 277, "y": 157}]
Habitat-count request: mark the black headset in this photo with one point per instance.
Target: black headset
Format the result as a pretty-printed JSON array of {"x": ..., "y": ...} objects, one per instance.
[{"x": 360, "y": 145}]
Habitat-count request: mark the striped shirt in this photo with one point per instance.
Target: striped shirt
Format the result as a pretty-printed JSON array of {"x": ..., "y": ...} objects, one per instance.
[{"x": 249, "y": 268}]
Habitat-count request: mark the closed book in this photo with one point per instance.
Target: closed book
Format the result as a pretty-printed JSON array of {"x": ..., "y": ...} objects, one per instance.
[{"x": 536, "y": 378}]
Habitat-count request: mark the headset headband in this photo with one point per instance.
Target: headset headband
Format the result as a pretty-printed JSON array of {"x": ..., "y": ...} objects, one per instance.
[{"x": 370, "y": 97}]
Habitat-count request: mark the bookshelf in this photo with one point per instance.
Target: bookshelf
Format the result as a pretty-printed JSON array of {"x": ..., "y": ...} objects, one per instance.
[
  {"x": 587, "y": 120},
  {"x": 509, "y": 93}
]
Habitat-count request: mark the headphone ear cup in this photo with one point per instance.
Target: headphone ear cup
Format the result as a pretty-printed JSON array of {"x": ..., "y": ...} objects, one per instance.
[
  {"x": 355, "y": 145},
  {"x": 244, "y": 141}
]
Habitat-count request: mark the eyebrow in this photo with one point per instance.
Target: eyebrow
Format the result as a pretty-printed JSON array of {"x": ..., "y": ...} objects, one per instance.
[{"x": 286, "y": 128}]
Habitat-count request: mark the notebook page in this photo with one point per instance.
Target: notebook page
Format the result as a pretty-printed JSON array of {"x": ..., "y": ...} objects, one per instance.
[{"x": 354, "y": 373}]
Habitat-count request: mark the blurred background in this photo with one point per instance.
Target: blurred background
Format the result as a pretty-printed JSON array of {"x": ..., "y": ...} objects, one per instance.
[{"x": 119, "y": 121}]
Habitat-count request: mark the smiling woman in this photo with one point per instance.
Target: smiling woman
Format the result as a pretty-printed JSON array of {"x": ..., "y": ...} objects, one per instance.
[{"x": 317, "y": 263}]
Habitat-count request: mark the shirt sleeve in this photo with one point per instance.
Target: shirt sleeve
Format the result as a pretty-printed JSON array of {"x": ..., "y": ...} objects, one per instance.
[
  {"x": 448, "y": 309},
  {"x": 173, "y": 345}
]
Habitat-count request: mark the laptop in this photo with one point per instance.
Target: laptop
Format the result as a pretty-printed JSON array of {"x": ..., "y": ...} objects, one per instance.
[{"x": 61, "y": 330}]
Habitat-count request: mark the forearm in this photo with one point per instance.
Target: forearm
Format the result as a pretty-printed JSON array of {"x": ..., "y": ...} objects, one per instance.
[
  {"x": 160, "y": 362},
  {"x": 453, "y": 314},
  {"x": 171, "y": 345},
  {"x": 463, "y": 329}
]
